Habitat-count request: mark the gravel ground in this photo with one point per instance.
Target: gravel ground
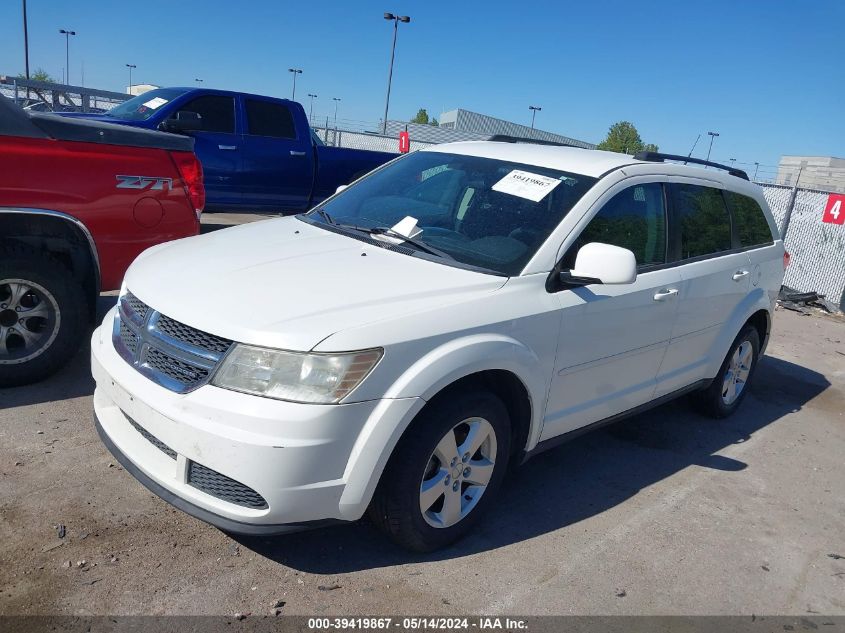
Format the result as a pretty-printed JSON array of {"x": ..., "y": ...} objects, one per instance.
[{"x": 665, "y": 513}]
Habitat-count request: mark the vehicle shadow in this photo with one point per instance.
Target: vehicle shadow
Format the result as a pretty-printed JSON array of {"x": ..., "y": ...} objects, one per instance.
[
  {"x": 71, "y": 381},
  {"x": 583, "y": 478}
]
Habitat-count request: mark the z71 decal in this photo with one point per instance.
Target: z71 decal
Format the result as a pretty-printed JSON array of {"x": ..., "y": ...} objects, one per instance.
[{"x": 144, "y": 182}]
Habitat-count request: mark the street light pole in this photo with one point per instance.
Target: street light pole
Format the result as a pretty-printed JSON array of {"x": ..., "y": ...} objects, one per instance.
[
  {"x": 130, "y": 67},
  {"x": 396, "y": 20},
  {"x": 756, "y": 167},
  {"x": 336, "y": 102},
  {"x": 712, "y": 135},
  {"x": 534, "y": 111},
  {"x": 25, "y": 42},
  {"x": 295, "y": 71},
  {"x": 311, "y": 111},
  {"x": 67, "y": 35},
  {"x": 199, "y": 81}
]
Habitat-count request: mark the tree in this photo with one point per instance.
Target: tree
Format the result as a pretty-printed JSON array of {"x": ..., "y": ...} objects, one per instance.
[
  {"x": 623, "y": 137},
  {"x": 421, "y": 117},
  {"x": 39, "y": 75}
]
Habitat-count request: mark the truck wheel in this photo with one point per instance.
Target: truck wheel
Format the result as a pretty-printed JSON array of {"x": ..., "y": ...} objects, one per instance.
[
  {"x": 729, "y": 387},
  {"x": 445, "y": 471},
  {"x": 42, "y": 315}
]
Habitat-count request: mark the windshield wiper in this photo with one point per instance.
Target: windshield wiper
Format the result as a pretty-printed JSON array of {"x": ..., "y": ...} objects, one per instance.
[
  {"x": 323, "y": 214},
  {"x": 386, "y": 230}
]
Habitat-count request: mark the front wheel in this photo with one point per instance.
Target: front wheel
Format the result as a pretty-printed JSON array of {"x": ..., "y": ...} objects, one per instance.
[
  {"x": 730, "y": 385},
  {"x": 445, "y": 472}
]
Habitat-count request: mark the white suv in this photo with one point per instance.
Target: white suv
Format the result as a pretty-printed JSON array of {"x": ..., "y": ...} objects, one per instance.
[{"x": 454, "y": 311}]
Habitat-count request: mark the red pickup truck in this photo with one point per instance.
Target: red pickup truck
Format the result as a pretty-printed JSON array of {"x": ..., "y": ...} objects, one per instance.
[{"x": 79, "y": 200}]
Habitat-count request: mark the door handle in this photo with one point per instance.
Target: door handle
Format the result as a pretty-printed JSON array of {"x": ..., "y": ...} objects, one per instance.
[
  {"x": 293, "y": 152},
  {"x": 229, "y": 147},
  {"x": 668, "y": 293},
  {"x": 739, "y": 275}
]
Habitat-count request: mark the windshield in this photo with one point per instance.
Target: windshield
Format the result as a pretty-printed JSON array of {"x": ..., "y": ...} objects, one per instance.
[
  {"x": 143, "y": 106},
  {"x": 482, "y": 212}
]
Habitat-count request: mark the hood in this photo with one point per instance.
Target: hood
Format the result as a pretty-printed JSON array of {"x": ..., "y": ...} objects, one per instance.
[{"x": 287, "y": 284}]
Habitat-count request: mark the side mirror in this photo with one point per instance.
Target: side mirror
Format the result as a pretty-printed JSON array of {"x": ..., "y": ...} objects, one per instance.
[
  {"x": 598, "y": 263},
  {"x": 184, "y": 121},
  {"x": 341, "y": 188}
]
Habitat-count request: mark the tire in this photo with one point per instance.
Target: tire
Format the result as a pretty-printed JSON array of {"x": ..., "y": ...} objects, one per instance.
[
  {"x": 397, "y": 504},
  {"x": 715, "y": 401},
  {"x": 33, "y": 347}
]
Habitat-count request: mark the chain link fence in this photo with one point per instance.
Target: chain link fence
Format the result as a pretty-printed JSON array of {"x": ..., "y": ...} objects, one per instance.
[
  {"x": 362, "y": 140},
  {"x": 817, "y": 248},
  {"x": 45, "y": 96}
]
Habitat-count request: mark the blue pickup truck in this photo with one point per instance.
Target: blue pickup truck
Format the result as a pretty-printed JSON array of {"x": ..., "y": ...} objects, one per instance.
[{"x": 257, "y": 152}]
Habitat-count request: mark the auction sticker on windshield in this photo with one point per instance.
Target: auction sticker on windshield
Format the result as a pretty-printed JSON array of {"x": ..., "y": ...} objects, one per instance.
[
  {"x": 157, "y": 102},
  {"x": 526, "y": 185}
]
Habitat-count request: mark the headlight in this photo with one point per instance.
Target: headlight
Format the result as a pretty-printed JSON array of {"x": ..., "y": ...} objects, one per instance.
[{"x": 313, "y": 378}]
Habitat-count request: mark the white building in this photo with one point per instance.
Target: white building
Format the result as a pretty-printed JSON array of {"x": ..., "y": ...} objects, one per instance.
[{"x": 817, "y": 172}]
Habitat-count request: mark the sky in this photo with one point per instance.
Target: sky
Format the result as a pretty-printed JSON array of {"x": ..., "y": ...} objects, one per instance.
[{"x": 767, "y": 75}]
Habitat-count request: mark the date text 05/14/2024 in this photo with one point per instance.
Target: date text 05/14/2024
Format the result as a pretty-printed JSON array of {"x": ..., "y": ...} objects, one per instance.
[{"x": 418, "y": 623}]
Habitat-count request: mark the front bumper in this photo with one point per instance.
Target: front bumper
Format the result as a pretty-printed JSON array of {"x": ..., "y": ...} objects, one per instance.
[
  {"x": 227, "y": 525},
  {"x": 298, "y": 458}
]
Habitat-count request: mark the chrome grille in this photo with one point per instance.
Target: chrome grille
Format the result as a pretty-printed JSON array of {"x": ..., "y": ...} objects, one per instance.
[
  {"x": 192, "y": 336},
  {"x": 130, "y": 340},
  {"x": 174, "y": 355},
  {"x": 174, "y": 368},
  {"x": 136, "y": 305},
  {"x": 217, "y": 485},
  {"x": 152, "y": 439}
]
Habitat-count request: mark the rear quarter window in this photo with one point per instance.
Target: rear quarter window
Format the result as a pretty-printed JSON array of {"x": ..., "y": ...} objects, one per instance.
[{"x": 750, "y": 222}]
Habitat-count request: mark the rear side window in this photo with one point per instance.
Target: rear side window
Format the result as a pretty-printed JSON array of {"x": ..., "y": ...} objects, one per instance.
[
  {"x": 703, "y": 220},
  {"x": 752, "y": 228},
  {"x": 635, "y": 218},
  {"x": 217, "y": 113},
  {"x": 269, "y": 119}
]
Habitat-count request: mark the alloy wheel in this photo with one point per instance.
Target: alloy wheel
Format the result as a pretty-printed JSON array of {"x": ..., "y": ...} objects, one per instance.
[
  {"x": 737, "y": 372},
  {"x": 29, "y": 320},
  {"x": 458, "y": 472}
]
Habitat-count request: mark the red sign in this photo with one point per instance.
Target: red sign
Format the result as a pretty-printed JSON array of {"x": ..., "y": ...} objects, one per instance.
[
  {"x": 834, "y": 211},
  {"x": 404, "y": 143}
]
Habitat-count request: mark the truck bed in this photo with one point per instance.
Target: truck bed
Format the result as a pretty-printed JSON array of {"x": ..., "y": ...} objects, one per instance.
[{"x": 342, "y": 166}]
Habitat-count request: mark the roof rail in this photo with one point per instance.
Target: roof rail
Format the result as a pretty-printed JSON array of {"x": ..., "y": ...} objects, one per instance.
[
  {"x": 504, "y": 138},
  {"x": 659, "y": 157}
]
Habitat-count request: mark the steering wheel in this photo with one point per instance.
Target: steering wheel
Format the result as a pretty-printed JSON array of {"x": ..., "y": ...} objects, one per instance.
[{"x": 524, "y": 235}]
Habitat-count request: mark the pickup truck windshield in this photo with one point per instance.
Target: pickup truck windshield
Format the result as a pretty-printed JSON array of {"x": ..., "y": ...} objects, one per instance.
[
  {"x": 143, "y": 106},
  {"x": 482, "y": 212}
]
